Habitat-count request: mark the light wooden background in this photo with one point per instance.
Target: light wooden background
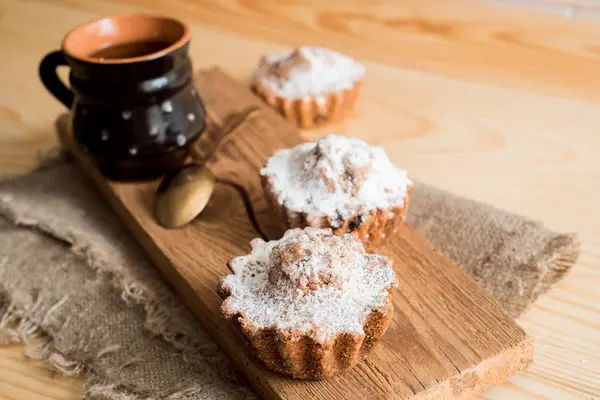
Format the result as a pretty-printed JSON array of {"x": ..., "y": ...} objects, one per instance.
[{"x": 494, "y": 102}]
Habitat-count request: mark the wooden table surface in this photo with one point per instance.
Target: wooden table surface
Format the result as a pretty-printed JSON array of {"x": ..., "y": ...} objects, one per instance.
[{"x": 492, "y": 101}]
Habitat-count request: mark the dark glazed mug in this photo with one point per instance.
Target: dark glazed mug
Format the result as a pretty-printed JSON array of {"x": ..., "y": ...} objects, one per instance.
[{"x": 134, "y": 106}]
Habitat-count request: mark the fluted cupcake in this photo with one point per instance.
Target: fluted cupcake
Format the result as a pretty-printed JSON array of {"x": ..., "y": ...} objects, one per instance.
[
  {"x": 341, "y": 183},
  {"x": 311, "y": 304},
  {"x": 310, "y": 86}
]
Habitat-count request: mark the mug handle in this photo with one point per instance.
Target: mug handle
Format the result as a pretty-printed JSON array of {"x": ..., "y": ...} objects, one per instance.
[{"x": 50, "y": 78}]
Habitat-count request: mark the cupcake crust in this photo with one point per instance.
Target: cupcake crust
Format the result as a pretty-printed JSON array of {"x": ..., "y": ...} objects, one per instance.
[
  {"x": 301, "y": 356},
  {"x": 309, "y": 86},
  {"x": 339, "y": 183},
  {"x": 310, "y": 305}
]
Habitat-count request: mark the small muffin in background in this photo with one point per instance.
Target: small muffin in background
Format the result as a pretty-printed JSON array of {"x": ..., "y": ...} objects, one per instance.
[
  {"x": 310, "y": 86},
  {"x": 341, "y": 183},
  {"x": 310, "y": 305}
]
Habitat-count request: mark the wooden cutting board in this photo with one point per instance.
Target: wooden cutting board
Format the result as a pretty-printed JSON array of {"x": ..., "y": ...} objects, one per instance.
[{"x": 448, "y": 338}]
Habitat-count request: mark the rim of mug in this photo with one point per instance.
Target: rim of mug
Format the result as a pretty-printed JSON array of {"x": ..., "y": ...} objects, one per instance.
[{"x": 183, "y": 39}]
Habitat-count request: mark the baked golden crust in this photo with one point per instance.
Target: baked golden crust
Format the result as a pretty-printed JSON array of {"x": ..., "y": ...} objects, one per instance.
[
  {"x": 314, "y": 111},
  {"x": 325, "y": 104},
  {"x": 372, "y": 230},
  {"x": 300, "y": 355},
  {"x": 311, "y": 304}
]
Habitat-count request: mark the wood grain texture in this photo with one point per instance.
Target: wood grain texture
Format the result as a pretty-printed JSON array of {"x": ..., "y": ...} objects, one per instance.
[
  {"x": 503, "y": 109},
  {"x": 448, "y": 339},
  {"x": 22, "y": 379}
]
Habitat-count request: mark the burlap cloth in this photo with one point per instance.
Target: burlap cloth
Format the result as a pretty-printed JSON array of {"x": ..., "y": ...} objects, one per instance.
[{"x": 79, "y": 292}]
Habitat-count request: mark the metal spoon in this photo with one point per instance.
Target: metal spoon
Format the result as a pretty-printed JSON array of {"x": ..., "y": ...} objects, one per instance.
[{"x": 184, "y": 193}]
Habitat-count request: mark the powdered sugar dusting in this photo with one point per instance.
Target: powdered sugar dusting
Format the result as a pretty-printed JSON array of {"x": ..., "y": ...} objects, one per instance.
[
  {"x": 312, "y": 71},
  {"x": 310, "y": 281},
  {"x": 336, "y": 176}
]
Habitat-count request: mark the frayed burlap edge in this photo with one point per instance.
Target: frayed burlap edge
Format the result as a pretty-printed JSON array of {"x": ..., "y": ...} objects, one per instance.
[
  {"x": 566, "y": 249},
  {"x": 17, "y": 328},
  {"x": 157, "y": 316}
]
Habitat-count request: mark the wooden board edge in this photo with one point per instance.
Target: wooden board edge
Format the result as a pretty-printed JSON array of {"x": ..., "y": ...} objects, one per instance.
[{"x": 485, "y": 375}]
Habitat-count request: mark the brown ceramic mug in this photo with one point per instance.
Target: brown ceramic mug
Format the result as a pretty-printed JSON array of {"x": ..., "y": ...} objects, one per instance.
[{"x": 135, "y": 109}]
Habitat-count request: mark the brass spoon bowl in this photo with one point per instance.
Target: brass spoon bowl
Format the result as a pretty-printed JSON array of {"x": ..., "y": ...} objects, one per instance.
[{"x": 184, "y": 193}]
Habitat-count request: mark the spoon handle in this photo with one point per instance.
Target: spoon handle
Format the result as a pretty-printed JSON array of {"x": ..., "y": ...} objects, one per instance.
[{"x": 230, "y": 125}]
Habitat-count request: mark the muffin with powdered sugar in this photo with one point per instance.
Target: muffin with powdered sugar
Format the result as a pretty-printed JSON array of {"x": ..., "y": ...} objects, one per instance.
[
  {"x": 311, "y": 304},
  {"x": 341, "y": 183},
  {"x": 310, "y": 86}
]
